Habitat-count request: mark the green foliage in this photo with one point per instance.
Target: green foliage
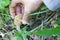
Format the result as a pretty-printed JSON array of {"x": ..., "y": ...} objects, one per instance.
[
  {"x": 43, "y": 7},
  {"x": 4, "y": 12},
  {"x": 4, "y": 3},
  {"x": 57, "y": 21},
  {"x": 48, "y": 32},
  {"x": 21, "y": 35},
  {"x": 4, "y": 17},
  {"x": 6, "y": 37},
  {"x": 1, "y": 23},
  {"x": 41, "y": 32},
  {"x": 37, "y": 13}
]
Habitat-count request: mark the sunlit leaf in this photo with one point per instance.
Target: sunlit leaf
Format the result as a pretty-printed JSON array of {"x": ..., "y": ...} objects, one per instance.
[
  {"x": 4, "y": 3},
  {"x": 48, "y": 32},
  {"x": 57, "y": 21}
]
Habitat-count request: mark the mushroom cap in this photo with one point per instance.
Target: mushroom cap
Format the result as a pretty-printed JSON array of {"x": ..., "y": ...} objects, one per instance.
[{"x": 17, "y": 20}]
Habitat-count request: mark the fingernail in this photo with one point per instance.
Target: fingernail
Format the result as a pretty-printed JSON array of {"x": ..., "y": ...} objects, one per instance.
[
  {"x": 12, "y": 17},
  {"x": 25, "y": 22}
]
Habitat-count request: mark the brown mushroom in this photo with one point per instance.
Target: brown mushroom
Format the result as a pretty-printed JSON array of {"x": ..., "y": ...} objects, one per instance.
[{"x": 17, "y": 19}]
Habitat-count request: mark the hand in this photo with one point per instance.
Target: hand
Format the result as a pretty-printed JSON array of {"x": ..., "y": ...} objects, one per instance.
[
  {"x": 13, "y": 7},
  {"x": 29, "y": 7}
]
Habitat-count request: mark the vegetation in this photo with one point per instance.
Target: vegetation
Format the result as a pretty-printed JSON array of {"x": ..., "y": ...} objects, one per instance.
[{"x": 47, "y": 23}]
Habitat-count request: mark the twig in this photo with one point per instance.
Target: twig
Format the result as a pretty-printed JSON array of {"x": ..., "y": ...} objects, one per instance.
[
  {"x": 41, "y": 24},
  {"x": 36, "y": 28}
]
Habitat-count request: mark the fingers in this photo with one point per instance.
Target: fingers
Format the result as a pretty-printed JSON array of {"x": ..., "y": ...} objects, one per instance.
[
  {"x": 27, "y": 11},
  {"x": 12, "y": 9},
  {"x": 19, "y": 9},
  {"x": 29, "y": 7}
]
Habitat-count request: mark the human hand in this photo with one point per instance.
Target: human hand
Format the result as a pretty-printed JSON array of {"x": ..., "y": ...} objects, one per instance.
[
  {"x": 28, "y": 5},
  {"x": 15, "y": 7}
]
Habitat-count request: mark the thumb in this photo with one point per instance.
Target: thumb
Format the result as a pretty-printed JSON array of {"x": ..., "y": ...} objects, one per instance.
[
  {"x": 27, "y": 10},
  {"x": 29, "y": 7}
]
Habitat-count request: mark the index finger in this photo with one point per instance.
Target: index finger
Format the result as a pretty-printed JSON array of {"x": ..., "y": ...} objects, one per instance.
[{"x": 12, "y": 9}]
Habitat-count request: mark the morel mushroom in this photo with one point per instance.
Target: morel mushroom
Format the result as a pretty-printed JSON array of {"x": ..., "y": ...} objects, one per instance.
[
  {"x": 17, "y": 20},
  {"x": 19, "y": 15}
]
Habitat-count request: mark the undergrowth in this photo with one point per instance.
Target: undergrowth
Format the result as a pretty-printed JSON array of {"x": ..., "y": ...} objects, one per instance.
[{"x": 44, "y": 23}]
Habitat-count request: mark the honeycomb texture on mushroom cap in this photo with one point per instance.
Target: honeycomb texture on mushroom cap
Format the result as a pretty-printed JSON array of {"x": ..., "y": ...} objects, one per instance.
[{"x": 17, "y": 20}]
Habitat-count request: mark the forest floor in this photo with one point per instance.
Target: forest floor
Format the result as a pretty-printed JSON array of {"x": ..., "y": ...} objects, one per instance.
[{"x": 42, "y": 19}]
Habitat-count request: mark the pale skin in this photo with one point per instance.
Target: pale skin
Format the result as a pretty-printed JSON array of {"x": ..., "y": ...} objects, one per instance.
[{"x": 29, "y": 7}]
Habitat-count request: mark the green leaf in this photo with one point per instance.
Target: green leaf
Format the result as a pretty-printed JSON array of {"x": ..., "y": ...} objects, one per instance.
[
  {"x": 6, "y": 37},
  {"x": 7, "y": 18},
  {"x": 48, "y": 32},
  {"x": 1, "y": 23},
  {"x": 37, "y": 13},
  {"x": 4, "y": 3},
  {"x": 57, "y": 21},
  {"x": 21, "y": 35},
  {"x": 43, "y": 7},
  {"x": 17, "y": 38}
]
